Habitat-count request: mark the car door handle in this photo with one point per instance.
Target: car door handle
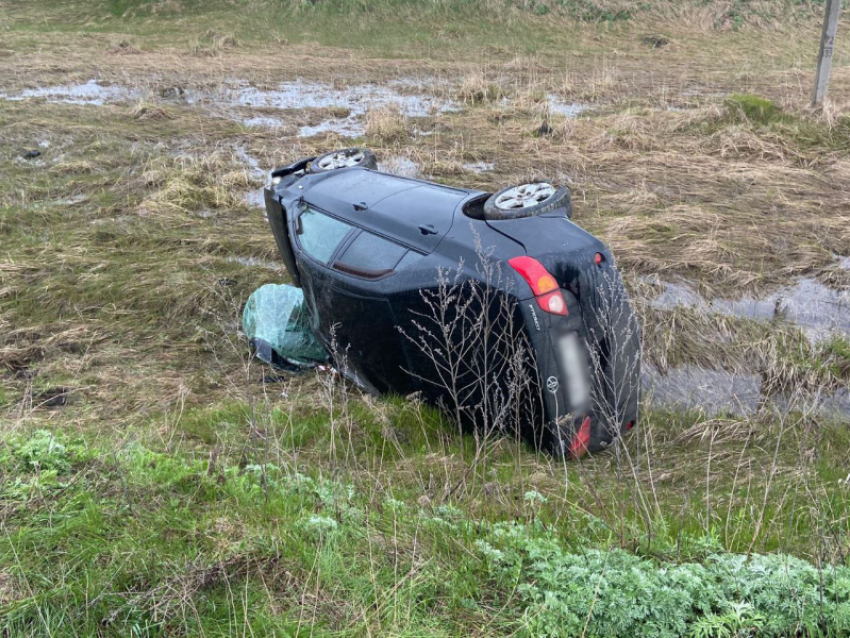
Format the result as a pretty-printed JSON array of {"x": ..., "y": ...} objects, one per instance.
[
  {"x": 427, "y": 229},
  {"x": 366, "y": 273}
]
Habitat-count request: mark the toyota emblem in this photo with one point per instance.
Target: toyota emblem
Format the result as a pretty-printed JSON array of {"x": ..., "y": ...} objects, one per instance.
[{"x": 552, "y": 384}]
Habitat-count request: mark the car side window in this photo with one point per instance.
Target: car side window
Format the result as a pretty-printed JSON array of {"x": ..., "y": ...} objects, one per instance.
[
  {"x": 370, "y": 256},
  {"x": 408, "y": 260},
  {"x": 320, "y": 234}
]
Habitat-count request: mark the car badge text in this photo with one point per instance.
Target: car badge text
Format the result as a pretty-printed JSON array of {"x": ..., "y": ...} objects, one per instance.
[{"x": 534, "y": 316}]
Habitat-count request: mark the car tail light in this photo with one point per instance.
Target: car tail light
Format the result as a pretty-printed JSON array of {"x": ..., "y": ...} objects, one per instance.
[
  {"x": 581, "y": 440},
  {"x": 543, "y": 285}
]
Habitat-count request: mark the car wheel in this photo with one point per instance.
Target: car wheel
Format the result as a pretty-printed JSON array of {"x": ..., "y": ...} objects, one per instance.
[
  {"x": 344, "y": 159},
  {"x": 527, "y": 200}
]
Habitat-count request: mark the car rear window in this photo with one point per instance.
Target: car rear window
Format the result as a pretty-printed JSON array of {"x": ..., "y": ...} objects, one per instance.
[
  {"x": 371, "y": 253},
  {"x": 320, "y": 234}
]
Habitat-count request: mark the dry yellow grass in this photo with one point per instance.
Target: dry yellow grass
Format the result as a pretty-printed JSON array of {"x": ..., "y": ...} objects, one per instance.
[
  {"x": 477, "y": 89},
  {"x": 386, "y": 124}
]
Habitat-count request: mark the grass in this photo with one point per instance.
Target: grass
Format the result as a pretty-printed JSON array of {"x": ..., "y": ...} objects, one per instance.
[
  {"x": 754, "y": 108},
  {"x": 180, "y": 488},
  {"x": 387, "y": 125},
  {"x": 126, "y": 539}
]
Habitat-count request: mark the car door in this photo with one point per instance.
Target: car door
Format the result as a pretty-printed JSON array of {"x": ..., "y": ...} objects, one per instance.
[
  {"x": 362, "y": 288},
  {"x": 343, "y": 271}
]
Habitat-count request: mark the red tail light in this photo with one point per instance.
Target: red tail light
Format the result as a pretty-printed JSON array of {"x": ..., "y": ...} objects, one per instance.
[
  {"x": 581, "y": 440},
  {"x": 543, "y": 285}
]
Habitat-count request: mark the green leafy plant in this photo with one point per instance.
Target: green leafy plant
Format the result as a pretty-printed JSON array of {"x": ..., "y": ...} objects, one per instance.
[{"x": 611, "y": 592}]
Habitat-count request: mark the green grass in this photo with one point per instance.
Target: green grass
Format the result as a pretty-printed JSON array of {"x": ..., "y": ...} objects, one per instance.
[
  {"x": 755, "y": 109},
  {"x": 446, "y": 29},
  {"x": 838, "y": 349},
  {"x": 130, "y": 541}
]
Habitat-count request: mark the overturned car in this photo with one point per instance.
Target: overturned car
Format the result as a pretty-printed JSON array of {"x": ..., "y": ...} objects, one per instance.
[{"x": 495, "y": 306}]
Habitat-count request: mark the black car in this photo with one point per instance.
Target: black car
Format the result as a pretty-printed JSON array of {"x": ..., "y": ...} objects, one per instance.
[{"x": 495, "y": 306}]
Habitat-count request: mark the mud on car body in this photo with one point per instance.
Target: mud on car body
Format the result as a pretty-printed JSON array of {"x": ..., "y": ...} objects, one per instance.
[{"x": 378, "y": 255}]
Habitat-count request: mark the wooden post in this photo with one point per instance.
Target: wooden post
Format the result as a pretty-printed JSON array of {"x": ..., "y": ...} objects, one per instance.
[{"x": 827, "y": 46}]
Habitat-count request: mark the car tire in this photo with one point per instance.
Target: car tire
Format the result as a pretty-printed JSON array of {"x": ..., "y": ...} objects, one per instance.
[
  {"x": 345, "y": 158},
  {"x": 527, "y": 200}
]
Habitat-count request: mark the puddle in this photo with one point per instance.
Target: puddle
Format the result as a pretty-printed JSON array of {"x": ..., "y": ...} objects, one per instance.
[
  {"x": 838, "y": 402},
  {"x": 253, "y": 164},
  {"x": 568, "y": 109},
  {"x": 712, "y": 391},
  {"x": 479, "y": 167},
  {"x": 399, "y": 165},
  {"x": 355, "y": 99},
  {"x": 676, "y": 296},
  {"x": 92, "y": 92},
  {"x": 255, "y": 198},
  {"x": 262, "y": 122},
  {"x": 255, "y": 262},
  {"x": 819, "y": 310},
  {"x": 719, "y": 391},
  {"x": 347, "y": 127}
]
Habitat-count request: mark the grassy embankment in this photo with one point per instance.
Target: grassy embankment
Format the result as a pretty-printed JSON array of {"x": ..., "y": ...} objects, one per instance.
[{"x": 188, "y": 492}]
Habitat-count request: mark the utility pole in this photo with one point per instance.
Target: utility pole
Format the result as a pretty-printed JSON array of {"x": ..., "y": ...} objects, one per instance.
[{"x": 827, "y": 47}]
